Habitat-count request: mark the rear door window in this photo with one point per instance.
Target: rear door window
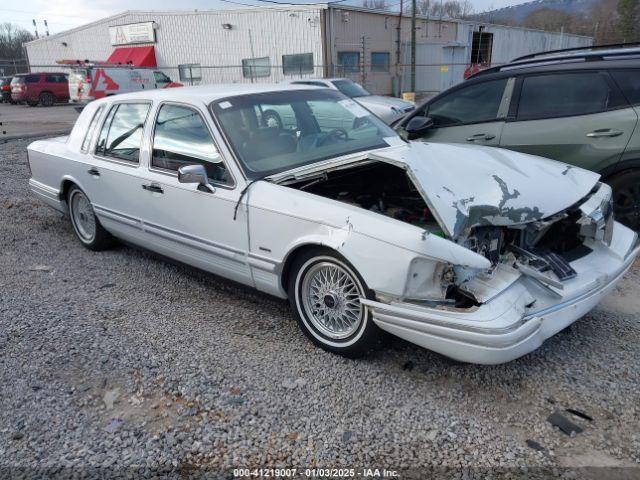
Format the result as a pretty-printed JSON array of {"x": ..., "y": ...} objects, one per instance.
[
  {"x": 32, "y": 78},
  {"x": 564, "y": 95},
  {"x": 629, "y": 82},
  {"x": 472, "y": 104},
  {"x": 121, "y": 133}
]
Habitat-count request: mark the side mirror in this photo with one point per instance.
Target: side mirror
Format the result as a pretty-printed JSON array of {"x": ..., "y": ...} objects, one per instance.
[
  {"x": 417, "y": 126},
  {"x": 195, "y": 174}
]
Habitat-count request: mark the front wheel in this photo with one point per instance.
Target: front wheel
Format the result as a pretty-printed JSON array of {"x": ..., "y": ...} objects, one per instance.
[
  {"x": 85, "y": 223},
  {"x": 626, "y": 198},
  {"x": 325, "y": 293}
]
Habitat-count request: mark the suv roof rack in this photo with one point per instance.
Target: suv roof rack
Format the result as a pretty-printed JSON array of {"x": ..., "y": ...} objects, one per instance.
[
  {"x": 592, "y": 53},
  {"x": 592, "y": 50}
]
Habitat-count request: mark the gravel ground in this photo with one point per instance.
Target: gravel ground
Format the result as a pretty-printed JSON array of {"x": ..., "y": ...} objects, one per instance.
[{"x": 121, "y": 363}]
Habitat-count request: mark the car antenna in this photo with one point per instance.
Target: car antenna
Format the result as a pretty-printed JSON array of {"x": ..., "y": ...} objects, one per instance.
[{"x": 244, "y": 190}]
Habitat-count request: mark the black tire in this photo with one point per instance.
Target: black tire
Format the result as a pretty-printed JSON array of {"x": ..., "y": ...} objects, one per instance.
[
  {"x": 362, "y": 338},
  {"x": 626, "y": 198},
  {"x": 81, "y": 211},
  {"x": 47, "y": 99}
]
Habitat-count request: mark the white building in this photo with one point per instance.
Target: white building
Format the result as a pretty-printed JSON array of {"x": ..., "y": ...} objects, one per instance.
[{"x": 272, "y": 44}]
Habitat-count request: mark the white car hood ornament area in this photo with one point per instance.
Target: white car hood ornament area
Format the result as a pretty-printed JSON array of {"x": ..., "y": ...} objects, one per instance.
[{"x": 469, "y": 186}]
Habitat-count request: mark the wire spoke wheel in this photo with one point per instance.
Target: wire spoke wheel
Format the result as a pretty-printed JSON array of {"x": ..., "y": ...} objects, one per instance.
[
  {"x": 331, "y": 300},
  {"x": 84, "y": 219}
]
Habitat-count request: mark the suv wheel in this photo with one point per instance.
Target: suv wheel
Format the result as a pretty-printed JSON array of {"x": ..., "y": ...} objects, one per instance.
[
  {"x": 626, "y": 198},
  {"x": 47, "y": 99}
]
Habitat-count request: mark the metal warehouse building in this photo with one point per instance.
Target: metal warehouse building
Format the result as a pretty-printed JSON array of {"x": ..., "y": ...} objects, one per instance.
[{"x": 273, "y": 44}]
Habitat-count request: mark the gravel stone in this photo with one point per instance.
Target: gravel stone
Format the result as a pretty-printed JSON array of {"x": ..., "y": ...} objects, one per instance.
[{"x": 211, "y": 375}]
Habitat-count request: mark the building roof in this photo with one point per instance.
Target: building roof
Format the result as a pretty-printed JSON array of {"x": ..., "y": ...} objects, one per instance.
[{"x": 284, "y": 7}]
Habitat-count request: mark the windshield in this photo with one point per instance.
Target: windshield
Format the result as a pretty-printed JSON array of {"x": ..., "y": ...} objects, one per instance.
[
  {"x": 350, "y": 89},
  {"x": 277, "y": 131}
]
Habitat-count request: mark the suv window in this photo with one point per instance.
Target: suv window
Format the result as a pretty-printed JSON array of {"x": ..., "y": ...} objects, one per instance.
[
  {"x": 563, "y": 95},
  {"x": 56, "y": 78},
  {"x": 32, "y": 78},
  {"x": 182, "y": 138},
  {"x": 121, "y": 134},
  {"x": 475, "y": 103},
  {"x": 629, "y": 82}
]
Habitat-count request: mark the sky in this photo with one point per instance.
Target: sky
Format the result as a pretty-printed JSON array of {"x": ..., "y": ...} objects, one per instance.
[{"x": 60, "y": 16}]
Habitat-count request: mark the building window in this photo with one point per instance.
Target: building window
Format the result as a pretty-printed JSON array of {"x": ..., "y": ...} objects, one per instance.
[
  {"x": 379, "y": 61},
  {"x": 481, "y": 47},
  {"x": 349, "y": 62},
  {"x": 256, "y": 67},
  {"x": 297, "y": 63},
  {"x": 190, "y": 72}
]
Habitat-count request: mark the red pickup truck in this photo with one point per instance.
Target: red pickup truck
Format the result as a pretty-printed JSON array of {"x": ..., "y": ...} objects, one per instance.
[{"x": 44, "y": 88}]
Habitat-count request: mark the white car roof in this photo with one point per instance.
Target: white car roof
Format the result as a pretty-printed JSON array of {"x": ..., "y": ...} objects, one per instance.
[
  {"x": 204, "y": 93},
  {"x": 295, "y": 80}
]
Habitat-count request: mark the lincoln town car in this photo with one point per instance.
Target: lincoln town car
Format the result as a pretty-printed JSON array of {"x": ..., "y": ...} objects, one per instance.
[{"x": 477, "y": 253}]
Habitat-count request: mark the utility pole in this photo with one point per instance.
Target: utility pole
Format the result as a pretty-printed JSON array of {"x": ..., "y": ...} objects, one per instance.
[
  {"x": 413, "y": 46},
  {"x": 399, "y": 48}
]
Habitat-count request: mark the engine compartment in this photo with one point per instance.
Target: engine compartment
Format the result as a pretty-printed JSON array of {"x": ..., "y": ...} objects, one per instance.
[{"x": 541, "y": 250}]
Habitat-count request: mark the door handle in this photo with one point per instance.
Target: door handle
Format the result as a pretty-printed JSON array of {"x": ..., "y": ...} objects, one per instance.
[
  {"x": 153, "y": 187},
  {"x": 604, "y": 132},
  {"x": 94, "y": 172},
  {"x": 481, "y": 136}
]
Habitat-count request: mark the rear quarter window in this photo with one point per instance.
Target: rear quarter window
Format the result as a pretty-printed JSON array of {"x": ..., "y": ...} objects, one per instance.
[
  {"x": 32, "y": 78},
  {"x": 629, "y": 83}
]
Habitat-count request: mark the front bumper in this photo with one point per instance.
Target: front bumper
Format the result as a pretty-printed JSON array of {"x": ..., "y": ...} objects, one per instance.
[{"x": 519, "y": 319}]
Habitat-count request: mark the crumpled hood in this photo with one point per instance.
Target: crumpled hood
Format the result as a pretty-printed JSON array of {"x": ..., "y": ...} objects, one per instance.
[
  {"x": 467, "y": 186},
  {"x": 379, "y": 100}
]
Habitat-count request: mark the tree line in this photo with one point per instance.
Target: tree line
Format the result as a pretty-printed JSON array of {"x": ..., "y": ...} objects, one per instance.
[{"x": 607, "y": 21}]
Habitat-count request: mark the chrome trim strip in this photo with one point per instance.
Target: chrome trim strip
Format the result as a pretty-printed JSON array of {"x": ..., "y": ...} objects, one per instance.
[{"x": 117, "y": 216}]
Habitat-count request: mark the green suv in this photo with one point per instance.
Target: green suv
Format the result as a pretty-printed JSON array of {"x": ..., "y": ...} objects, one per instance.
[{"x": 578, "y": 106}]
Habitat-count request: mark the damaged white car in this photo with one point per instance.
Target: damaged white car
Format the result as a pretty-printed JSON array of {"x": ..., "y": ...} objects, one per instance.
[{"x": 477, "y": 253}]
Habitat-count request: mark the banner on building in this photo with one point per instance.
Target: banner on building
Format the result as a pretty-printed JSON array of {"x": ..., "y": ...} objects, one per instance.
[{"x": 132, "y": 33}]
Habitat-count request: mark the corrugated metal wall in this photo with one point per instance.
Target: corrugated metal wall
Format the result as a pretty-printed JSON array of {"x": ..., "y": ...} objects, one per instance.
[{"x": 198, "y": 37}]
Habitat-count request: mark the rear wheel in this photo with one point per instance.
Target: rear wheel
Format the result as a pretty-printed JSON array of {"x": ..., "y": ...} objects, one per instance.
[
  {"x": 626, "y": 198},
  {"x": 47, "y": 99},
  {"x": 85, "y": 223},
  {"x": 325, "y": 293}
]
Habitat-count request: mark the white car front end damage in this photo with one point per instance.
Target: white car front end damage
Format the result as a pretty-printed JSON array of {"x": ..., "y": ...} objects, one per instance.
[{"x": 518, "y": 248}]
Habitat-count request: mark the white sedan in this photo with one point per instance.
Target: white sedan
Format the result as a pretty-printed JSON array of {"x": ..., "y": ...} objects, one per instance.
[{"x": 477, "y": 253}]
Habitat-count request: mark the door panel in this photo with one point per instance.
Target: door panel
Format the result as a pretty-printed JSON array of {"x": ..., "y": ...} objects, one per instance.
[
  {"x": 478, "y": 134},
  {"x": 574, "y": 117},
  {"x": 196, "y": 227},
  {"x": 588, "y": 141}
]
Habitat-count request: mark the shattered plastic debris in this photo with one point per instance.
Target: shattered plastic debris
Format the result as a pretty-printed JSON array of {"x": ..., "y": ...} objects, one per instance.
[
  {"x": 564, "y": 424},
  {"x": 114, "y": 425},
  {"x": 579, "y": 413}
]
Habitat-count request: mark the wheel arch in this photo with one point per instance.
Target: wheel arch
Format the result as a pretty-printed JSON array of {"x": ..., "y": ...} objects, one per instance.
[
  {"x": 65, "y": 186},
  {"x": 620, "y": 167}
]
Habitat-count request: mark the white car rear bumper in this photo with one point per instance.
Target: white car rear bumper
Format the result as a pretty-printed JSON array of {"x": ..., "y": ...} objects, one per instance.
[{"x": 509, "y": 326}]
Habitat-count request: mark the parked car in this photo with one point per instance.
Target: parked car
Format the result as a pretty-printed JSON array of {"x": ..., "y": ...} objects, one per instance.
[
  {"x": 93, "y": 81},
  {"x": 40, "y": 88},
  {"x": 477, "y": 253},
  {"x": 5, "y": 89},
  {"x": 578, "y": 106},
  {"x": 389, "y": 109}
]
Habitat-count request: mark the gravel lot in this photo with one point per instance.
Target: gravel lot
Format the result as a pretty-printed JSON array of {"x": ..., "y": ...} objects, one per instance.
[{"x": 122, "y": 362}]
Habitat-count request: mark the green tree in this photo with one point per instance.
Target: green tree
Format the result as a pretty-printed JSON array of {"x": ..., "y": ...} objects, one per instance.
[{"x": 629, "y": 12}]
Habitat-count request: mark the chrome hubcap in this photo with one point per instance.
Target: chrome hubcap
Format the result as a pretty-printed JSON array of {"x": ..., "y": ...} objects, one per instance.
[
  {"x": 83, "y": 217},
  {"x": 331, "y": 300}
]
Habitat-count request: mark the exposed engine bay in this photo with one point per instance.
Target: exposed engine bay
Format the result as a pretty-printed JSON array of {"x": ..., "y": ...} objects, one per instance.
[
  {"x": 378, "y": 187},
  {"x": 541, "y": 249}
]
